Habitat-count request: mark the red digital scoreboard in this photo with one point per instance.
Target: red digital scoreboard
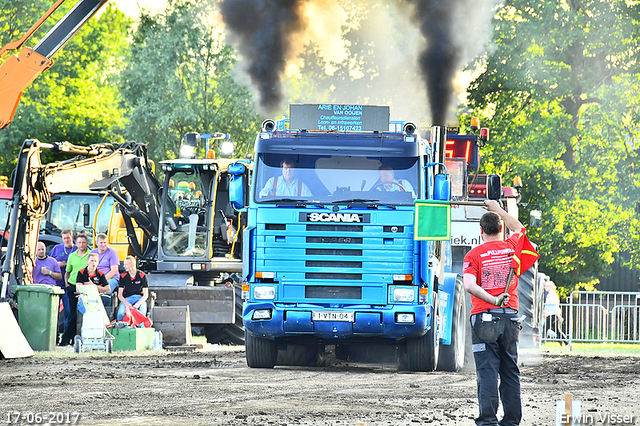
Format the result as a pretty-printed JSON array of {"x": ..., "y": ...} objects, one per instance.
[{"x": 462, "y": 146}]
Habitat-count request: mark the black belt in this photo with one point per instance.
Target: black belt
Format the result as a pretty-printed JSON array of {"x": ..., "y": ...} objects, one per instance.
[{"x": 502, "y": 311}]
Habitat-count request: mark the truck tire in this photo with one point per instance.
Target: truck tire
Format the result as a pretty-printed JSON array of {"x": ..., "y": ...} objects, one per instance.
[
  {"x": 260, "y": 353},
  {"x": 421, "y": 354},
  {"x": 301, "y": 355},
  {"x": 452, "y": 357},
  {"x": 228, "y": 334},
  {"x": 529, "y": 297}
]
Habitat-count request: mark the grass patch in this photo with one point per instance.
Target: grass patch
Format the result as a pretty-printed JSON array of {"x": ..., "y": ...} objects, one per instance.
[{"x": 608, "y": 349}]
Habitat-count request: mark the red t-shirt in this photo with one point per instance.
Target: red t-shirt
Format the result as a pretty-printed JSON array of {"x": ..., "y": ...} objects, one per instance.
[{"x": 490, "y": 264}]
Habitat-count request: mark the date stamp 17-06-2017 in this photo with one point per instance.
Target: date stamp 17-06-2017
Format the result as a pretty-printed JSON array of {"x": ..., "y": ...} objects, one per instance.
[{"x": 38, "y": 418}]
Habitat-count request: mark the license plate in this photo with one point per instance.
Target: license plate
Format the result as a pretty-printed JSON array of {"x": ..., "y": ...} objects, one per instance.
[{"x": 333, "y": 316}]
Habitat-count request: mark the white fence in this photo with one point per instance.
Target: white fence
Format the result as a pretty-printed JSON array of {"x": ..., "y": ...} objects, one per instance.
[{"x": 597, "y": 316}]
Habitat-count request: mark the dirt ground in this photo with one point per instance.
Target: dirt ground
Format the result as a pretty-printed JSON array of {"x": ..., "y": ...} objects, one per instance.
[{"x": 216, "y": 387}]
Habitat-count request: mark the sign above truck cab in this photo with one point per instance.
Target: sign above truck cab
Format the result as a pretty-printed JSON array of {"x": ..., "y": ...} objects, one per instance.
[{"x": 337, "y": 117}]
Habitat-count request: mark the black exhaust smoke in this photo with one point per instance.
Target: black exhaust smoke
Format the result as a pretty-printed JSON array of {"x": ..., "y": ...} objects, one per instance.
[
  {"x": 440, "y": 60},
  {"x": 263, "y": 29}
]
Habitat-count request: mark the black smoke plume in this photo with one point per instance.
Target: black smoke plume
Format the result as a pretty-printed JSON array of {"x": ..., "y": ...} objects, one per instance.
[
  {"x": 440, "y": 60},
  {"x": 262, "y": 29}
]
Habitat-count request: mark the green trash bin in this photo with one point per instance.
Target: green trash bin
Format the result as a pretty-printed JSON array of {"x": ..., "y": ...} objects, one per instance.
[{"x": 38, "y": 306}]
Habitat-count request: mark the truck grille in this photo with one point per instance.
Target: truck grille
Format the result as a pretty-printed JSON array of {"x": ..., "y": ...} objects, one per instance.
[
  {"x": 332, "y": 292},
  {"x": 334, "y": 261}
]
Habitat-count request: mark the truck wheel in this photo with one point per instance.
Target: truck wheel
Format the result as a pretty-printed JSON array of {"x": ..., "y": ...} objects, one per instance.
[
  {"x": 529, "y": 304},
  {"x": 260, "y": 353},
  {"x": 421, "y": 354},
  {"x": 452, "y": 356},
  {"x": 301, "y": 355},
  {"x": 228, "y": 334}
]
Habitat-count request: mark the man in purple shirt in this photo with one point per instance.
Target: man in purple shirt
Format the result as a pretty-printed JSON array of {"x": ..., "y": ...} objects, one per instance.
[
  {"x": 108, "y": 262},
  {"x": 46, "y": 270}
]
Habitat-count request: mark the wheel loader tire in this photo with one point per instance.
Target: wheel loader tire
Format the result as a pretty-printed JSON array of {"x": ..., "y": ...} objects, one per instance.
[
  {"x": 260, "y": 353},
  {"x": 229, "y": 334}
]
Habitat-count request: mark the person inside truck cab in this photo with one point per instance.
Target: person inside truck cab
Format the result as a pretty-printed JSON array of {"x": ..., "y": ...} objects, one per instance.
[
  {"x": 388, "y": 181},
  {"x": 286, "y": 185}
]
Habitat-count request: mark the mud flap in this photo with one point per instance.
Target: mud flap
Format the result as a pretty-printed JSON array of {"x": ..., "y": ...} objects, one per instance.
[{"x": 13, "y": 344}]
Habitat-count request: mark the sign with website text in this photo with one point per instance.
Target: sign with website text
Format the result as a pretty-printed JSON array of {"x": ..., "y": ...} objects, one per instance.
[{"x": 338, "y": 117}]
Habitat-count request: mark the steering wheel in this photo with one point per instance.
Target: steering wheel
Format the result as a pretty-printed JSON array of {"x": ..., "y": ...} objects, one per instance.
[
  {"x": 189, "y": 210},
  {"x": 379, "y": 184}
]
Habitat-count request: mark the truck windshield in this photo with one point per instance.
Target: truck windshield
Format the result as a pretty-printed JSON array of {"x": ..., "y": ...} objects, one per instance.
[
  {"x": 67, "y": 212},
  {"x": 185, "y": 216},
  {"x": 335, "y": 179}
]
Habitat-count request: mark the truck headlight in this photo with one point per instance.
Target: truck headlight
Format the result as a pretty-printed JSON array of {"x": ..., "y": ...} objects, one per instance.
[
  {"x": 404, "y": 294},
  {"x": 264, "y": 292}
]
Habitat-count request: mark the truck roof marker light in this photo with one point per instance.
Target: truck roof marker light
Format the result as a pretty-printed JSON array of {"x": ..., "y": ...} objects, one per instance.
[
  {"x": 211, "y": 155},
  {"x": 484, "y": 134},
  {"x": 402, "y": 277},
  {"x": 475, "y": 123},
  {"x": 267, "y": 275},
  {"x": 517, "y": 182}
]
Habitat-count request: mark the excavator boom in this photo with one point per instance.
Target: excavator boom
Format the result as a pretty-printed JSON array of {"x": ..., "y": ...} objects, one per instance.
[{"x": 18, "y": 71}]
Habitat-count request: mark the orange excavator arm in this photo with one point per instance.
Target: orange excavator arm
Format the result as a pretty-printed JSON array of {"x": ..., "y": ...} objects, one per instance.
[{"x": 18, "y": 71}]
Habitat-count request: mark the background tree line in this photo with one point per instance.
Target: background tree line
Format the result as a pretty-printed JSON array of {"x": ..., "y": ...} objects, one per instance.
[{"x": 558, "y": 85}]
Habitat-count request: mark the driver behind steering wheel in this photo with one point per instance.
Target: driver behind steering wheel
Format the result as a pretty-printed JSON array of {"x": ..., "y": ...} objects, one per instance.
[{"x": 389, "y": 183}]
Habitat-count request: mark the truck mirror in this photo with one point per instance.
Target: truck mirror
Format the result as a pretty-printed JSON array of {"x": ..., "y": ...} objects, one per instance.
[
  {"x": 535, "y": 219},
  {"x": 494, "y": 187},
  {"x": 86, "y": 215},
  {"x": 236, "y": 185}
]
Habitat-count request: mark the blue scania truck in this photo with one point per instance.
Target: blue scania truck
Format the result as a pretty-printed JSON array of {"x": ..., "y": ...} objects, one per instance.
[{"x": 331, "y": 253}]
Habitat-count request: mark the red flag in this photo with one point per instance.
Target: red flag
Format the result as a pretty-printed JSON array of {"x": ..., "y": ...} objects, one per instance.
[{"x": 525, "y": 255}]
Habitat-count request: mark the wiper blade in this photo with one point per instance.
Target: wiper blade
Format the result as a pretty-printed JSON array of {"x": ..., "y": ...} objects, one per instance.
[
  {"x": 299, "y": 202},
  {"x": 370, "y": 203},
  {"x": 354, "y": 200}
]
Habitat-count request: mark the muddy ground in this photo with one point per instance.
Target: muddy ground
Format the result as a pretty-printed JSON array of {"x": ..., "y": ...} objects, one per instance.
[{"x": 216, "y": 387}]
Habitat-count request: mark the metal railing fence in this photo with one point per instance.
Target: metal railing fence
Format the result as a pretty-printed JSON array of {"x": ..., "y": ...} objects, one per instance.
[{"x": 596, "y": 316}]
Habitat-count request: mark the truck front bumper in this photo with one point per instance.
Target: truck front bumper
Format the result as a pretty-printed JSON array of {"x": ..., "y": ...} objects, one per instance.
[{"x": 283, "y": 322}]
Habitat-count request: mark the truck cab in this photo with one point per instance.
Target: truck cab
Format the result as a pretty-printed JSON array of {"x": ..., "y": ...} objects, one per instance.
[{"x": 330, "y": 254}]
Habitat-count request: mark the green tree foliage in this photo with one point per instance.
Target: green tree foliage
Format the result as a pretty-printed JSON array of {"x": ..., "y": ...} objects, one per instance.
[
  {"x": 77, "y": 99},
  {"x": 181, "y": 80},
  {"x": 560, "y": 92}
]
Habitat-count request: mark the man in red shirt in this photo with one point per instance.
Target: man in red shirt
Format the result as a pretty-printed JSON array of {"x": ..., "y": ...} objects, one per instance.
[{"x": 494, "y": 319}]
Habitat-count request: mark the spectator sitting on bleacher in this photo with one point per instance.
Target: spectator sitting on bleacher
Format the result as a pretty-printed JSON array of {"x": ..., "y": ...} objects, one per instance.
[
  {"x": 46, "y": 270},
  {"x": 133, "y": 289}
]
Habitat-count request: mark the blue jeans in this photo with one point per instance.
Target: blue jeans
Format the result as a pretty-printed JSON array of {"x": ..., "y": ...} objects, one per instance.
[
  {"x": 113, "y": 282},
  {"x": 132, "y": 300}
]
